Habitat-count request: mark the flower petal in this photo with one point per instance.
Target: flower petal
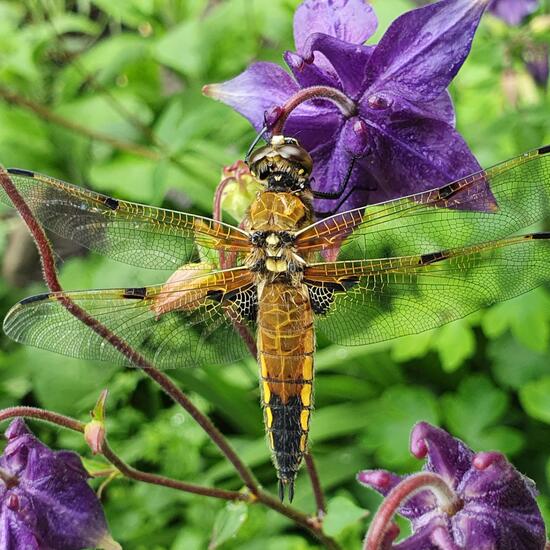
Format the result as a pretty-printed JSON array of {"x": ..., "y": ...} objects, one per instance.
[
  {"x": 350, "y": 20},
  {"x": 499, "y": 505},
  {"x": 255, "y": 91},
  {"x": 310, "y": 74},
  {"x": 348, "y": 60},
  {"x": 422, "y": 51},
  {"x": 422, "y": 537},
  {"x": 446, "y": 455},
  {"x": 513, "y": 12},
  {"x": 411, "y": 154},
  {"x": 52, "y": 499},
  {"x": 316, "y": 125},
  {"x": 486, "y": 528},
  {"x": 383, "y": 482}
]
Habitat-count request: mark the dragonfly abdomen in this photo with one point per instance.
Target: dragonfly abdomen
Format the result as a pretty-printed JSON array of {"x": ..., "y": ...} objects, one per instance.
[{"x": 286, "y": 342}]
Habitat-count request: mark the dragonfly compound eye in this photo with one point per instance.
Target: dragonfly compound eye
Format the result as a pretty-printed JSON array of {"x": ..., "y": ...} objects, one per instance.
[{"x": 283, "y": 163}]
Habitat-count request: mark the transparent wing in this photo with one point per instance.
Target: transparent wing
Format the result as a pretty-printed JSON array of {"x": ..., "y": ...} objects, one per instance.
[
  {"x": 132, "y": 233},
  {"x": 173, "y": 325},
  {"x": 368, "y": 301},
  {"x": 519, "y": 197}
]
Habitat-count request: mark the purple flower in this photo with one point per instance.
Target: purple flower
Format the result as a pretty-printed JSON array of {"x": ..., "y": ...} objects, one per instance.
[
  {"x": 47, "y": 503},
  {"x": 398, "y": 120},
  {"x": 513, "y": 12},
  {"x": 462, "y": 500},
  {"x": 535, "y": 57}
]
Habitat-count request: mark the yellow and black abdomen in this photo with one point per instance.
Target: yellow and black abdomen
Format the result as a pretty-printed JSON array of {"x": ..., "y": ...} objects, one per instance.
[{"x": 286, "y": 342}]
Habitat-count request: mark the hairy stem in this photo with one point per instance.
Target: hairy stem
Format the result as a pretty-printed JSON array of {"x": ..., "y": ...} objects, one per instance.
[
  {"x": 128, "y": 471},
  {"x": 399, "y": 495},
  {"x": 280, "y": 115},
  {"x": 316, "y": 485}
]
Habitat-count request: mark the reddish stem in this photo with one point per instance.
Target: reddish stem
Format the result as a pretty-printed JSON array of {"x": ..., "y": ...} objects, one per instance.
[
  {"x": 113, "y": 458},
  {"x": 45, "y": 416},
  {"x": 154, "y": 479},
  {"x": 341, "y": 100},
  {"x": 398, "y": 496},
  {"x": 316, "y": 485}
]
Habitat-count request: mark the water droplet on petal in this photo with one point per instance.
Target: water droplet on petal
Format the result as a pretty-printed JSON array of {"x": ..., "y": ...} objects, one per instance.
[{"x": 378, "y": 102}]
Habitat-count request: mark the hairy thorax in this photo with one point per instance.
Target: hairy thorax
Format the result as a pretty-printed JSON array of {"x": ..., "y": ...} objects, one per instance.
[{"x": 273, "y": 219}]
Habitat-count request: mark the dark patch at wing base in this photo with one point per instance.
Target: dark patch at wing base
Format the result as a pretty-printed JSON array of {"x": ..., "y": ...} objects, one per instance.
[
  {"x": 20, "y": 172},
  {"x": 36, "y": 298}
]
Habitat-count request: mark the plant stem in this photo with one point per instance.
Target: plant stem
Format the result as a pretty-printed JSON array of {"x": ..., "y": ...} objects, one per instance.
[
  {"x": 51, "y": 116},
  {"x": 316, "y": 485},
  {"x": 138, "y": 475},
  {"x": 115, "y": 460},
  {"x": 341, "y": 100},
  {"x": 403, "y": 491}
]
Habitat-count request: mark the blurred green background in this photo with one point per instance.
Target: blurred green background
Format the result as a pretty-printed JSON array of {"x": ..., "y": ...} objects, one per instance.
[{"x": 133, "y": 70}]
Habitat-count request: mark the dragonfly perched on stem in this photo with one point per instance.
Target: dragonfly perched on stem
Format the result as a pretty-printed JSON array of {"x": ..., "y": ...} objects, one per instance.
[{"x": 402, "y": 267}]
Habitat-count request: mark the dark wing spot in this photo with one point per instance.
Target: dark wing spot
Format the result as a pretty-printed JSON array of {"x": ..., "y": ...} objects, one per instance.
[
  {"x": 432, "y": 257},
  {"x": 215, "y": 295},
  {"x": 37, "y": 298},
  {"x": 544, "y": 150},
  {"x": 540, "y": 236},
  {"x": 20, "y": 172},
  {"x": 111, "y": 203},
  {"x": 138, "y": 293}
]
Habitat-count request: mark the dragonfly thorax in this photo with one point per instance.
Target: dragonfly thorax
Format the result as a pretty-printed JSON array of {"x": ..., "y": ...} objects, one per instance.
[{"x": 275, "y": 257}]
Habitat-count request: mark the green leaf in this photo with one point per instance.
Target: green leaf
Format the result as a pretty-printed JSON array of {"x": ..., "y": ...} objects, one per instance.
[
  {"x": 535, "y": 398},
  {"x": 514, "y": 365},
  {"x": 390, "y": 419},
  {"x": 455, "y": 343},
  {"x": 528, "y": 316},
  {"x": 412, "y": 347},
  {"x": 228, "y": 522},
  {"x": 341, "y": 513},
  {"x": 472, "y": 411}
]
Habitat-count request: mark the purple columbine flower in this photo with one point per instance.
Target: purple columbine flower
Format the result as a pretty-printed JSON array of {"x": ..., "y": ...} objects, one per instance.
[
  {"x": 46, "y": 502},
  {"x": 396, "y": 118},
  {"x": 537, "y": 63},
  {"x": 461, "y": 500},
  {"x": 513, "y": 12}
]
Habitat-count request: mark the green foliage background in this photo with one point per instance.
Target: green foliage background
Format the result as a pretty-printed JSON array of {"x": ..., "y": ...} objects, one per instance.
[{"x": 134, "y": 69}]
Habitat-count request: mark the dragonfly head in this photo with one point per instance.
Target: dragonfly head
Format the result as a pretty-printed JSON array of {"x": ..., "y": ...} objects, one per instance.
[{"x": 282, "y": 164}]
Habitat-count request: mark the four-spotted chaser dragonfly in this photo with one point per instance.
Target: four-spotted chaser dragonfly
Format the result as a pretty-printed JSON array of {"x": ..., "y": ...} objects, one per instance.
[{"x": 401, "y": 267}]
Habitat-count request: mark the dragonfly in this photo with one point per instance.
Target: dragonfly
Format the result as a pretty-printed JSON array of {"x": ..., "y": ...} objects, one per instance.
[{"x": 357, "y": 277}]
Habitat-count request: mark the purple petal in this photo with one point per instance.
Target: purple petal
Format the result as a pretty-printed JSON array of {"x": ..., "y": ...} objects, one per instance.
[
  {"x": 488, "y": 528},
  {"x": 353, "y": 21},
  {"x": 347, "y": 60},
  {"x": 15, "y": 535},
  {"x": 422, "y": 539},
  {"x": 441, "y": 108},
  {"x": 255, "y": 91},
  {"x": 410, "y": 155},
  {"x": 513, "y": 12},
  {"x": 52, "y": 500},
  {"x": 537, "y": 62},
  {"x": 310, "y": 74},
  {"x": 422, "y": 51},
  {"x": 446, "y": 455},
  {"x": 383, "y": 482}
]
